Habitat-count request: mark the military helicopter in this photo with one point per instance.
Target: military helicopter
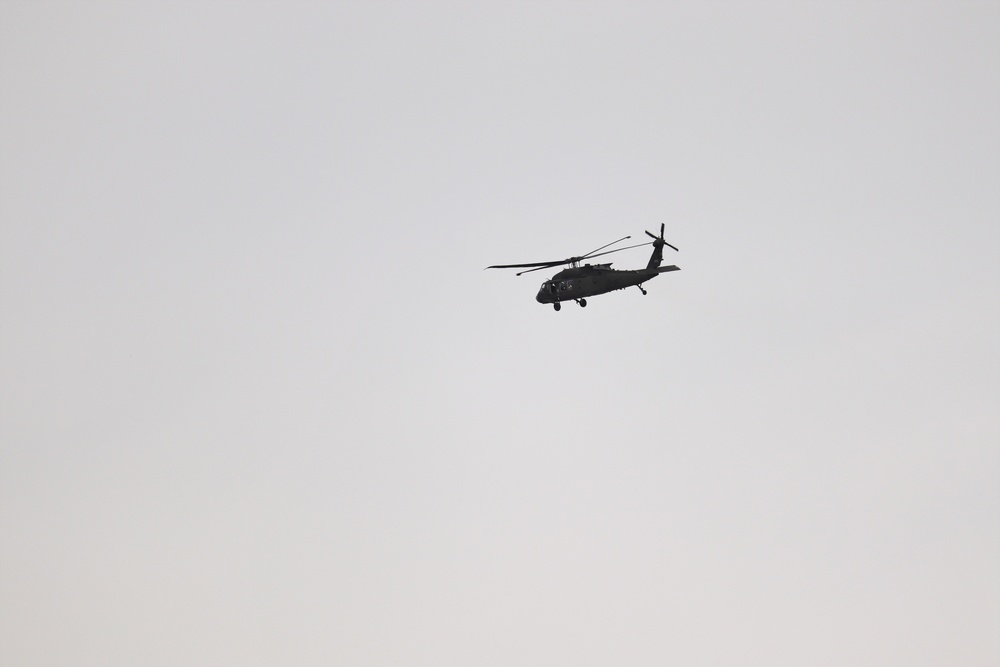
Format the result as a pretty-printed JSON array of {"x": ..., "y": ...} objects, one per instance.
[{"x": 577, "y": 282}]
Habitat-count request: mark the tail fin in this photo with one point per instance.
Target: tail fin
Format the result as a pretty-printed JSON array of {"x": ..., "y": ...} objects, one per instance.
[{"x": 657, "y": 257}]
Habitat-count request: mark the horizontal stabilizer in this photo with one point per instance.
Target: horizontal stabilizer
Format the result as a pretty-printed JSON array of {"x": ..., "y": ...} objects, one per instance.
[{"x": 664, "y": 269}]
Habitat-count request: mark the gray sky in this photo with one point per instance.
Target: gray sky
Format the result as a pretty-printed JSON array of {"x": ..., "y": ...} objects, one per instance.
[{"x": 260, "y": 404}]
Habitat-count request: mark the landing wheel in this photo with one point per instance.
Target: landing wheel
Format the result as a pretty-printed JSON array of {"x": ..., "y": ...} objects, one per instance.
[
  {"x": 557, "y": 306},
  {"x": 641, "y": 290},
  {"x": 582, "y": 302}
]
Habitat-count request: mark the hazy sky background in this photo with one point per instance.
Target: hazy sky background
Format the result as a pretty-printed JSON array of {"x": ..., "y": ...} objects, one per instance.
[{"x": 260, "y": 404}]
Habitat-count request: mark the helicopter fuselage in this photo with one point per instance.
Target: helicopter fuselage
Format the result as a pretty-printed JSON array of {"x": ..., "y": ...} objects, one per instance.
[{"x": 577, "y": 283}]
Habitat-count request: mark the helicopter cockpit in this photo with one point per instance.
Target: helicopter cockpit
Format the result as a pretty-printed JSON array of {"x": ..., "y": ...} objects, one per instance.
[{"x": 552, "y": 290}]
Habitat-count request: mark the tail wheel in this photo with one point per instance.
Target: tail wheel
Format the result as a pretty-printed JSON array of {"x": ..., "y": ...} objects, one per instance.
[
  {"x": 583, "y": 303},
  {"x": 557, "y": 306}
]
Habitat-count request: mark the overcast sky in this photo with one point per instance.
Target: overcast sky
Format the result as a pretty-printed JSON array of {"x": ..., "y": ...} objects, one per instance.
[{"x": 260, "y": 404}]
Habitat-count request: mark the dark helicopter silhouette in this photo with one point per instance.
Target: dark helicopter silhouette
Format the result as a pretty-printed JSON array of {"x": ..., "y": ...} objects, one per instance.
[{"x": 578, "y": 282}]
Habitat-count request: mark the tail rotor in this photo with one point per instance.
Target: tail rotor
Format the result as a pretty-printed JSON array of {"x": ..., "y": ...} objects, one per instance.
[{"x": 658, "y": 240}]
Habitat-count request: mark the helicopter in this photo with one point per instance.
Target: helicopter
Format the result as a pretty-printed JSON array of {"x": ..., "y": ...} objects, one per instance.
[{"x": 578, "y": 282}]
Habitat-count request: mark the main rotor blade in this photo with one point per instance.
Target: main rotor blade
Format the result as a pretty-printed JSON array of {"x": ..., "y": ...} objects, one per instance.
[
  {"x": 539, "y": 268},
  {"x": 541, "y": 265},
  {"x": 568, "y": 260},
  {"x": 591, "y": 253},
  {"x": 637, "y": 245},
  {"x": 591, "y": 256}
]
